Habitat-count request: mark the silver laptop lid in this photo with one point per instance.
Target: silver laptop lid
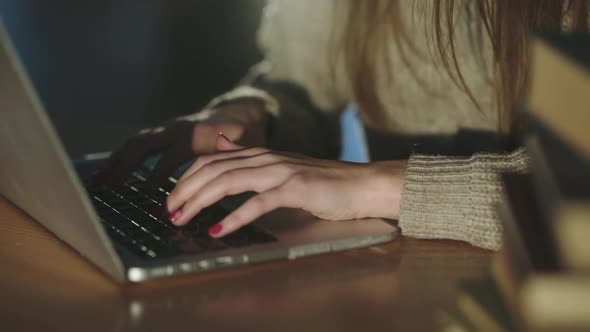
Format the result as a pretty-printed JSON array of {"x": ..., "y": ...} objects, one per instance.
[{"x": 35, "y": 172}]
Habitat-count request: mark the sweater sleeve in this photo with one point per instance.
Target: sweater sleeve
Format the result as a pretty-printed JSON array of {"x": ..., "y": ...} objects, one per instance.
[
  {"x": 456, "y": 198},
  {"x": 294, "y": 82}
]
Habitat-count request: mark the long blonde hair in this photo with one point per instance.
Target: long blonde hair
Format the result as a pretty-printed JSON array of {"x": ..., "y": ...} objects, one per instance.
[{"x": 372, "y": 24}]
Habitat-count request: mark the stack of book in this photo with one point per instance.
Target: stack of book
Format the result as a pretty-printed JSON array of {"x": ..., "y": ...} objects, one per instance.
[{"x": 540, "y": 280}]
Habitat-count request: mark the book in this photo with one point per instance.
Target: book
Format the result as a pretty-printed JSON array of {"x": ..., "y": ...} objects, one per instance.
[
  {"x": 527, "y": 234},
  {"x": 573, "y": 235},
  {"x": 508, "y": 283},
  {"x": 560, "y": 172},
  {"x": 543, "y": 301},
  {"x": 541, "y": 271},
  {"x": 536, "y": 288},
  {"x": 562, "y": 185},
  {"x": 560, "y": 86},
  {"x": 558, "y": 108},
  {"x": 556, "y": 301},
  {"x": 454, "y": 321},
  {"x": 482, "y": 304}
]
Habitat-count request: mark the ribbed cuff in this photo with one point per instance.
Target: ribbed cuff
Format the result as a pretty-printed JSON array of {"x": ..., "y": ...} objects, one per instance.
[
  {"x": 455, "y": 198},
  {"x": 271, "y": 105}
]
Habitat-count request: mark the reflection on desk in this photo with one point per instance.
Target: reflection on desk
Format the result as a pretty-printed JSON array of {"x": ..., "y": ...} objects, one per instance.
[{"x": 399, "y": 286}]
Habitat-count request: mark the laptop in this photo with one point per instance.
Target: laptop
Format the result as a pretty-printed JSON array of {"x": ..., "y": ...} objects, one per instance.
[{"x": 121, "y": 229}]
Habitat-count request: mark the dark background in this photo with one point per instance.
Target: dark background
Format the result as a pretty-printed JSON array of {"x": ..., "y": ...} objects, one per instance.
[{"x": 106, "y": 68}]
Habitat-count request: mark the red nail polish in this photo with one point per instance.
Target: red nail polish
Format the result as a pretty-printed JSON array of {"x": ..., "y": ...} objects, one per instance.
[
  {"x": 213, "y": 230},
  {"x": 173, "y": 217}
]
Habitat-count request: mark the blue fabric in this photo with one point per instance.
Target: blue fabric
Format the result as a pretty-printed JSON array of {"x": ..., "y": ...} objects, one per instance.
[{"x": 354, "y": 142}]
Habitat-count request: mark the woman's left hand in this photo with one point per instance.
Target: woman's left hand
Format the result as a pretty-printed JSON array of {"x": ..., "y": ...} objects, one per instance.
[{"x": 328, "y": 189}]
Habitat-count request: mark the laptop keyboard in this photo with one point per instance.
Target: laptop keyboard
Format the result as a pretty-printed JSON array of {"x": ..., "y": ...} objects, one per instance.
[{"x": 135, "y": 220}]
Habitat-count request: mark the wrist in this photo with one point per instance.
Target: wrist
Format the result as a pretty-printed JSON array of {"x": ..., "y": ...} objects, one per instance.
[{"x": 386, "y": 188}]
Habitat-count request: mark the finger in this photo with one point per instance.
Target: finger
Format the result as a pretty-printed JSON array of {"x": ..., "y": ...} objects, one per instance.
[
  {"x": 225, "y": 144},
  {"x": 204, "y": 160},
  {"x": 258, "y": 179},
  {"x": 253, "y": 209},
  {"x": 187, "y": 188}
]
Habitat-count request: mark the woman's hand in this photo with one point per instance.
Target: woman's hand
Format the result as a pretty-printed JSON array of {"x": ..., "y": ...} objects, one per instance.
[
  {"x": 179, "y": 140},
  {"x": 330, "y": 190}
]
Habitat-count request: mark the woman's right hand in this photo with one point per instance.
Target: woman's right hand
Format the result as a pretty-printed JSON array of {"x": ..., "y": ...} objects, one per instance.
[{"x": 181, "y": 139}]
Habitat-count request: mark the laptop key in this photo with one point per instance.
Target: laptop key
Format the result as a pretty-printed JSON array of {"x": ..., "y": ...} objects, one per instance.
[
  {"x": 168, "y": 186},
  {"x": 135, "y": 180},
  {"x": 117, "y": 203},
  {"x": 155, "y": 227},
  {"x": 106, "y": 212},
  {"x": 159, "y": 196},
  {"x": 120, "y": 222},
  {"x": 128, "y": 228},
  {"x": 135, "y": 220},
  {"x": 147, "y": 203},
  {"x": 158, "y": 247},
  {"x": 128, "y": 243},
  {"x": 157, "y": 212},
  {"x": 128, "y": 193}
]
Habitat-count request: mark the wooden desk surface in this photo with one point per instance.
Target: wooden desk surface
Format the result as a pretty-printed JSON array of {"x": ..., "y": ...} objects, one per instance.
[{"x": 402, "y": 286}]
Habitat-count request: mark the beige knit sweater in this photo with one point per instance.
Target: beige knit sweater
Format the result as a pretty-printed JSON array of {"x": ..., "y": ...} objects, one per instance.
[{"x": 443, "y": 197}]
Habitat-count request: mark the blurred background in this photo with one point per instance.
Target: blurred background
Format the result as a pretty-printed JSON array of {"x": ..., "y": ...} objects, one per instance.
[{"x": 107, "y": 68}]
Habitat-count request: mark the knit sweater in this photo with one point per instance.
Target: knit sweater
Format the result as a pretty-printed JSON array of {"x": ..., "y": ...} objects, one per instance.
[{"x": 443, "y": 197}]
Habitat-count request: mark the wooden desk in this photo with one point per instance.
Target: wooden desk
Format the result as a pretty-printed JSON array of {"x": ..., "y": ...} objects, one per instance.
[{"x": 44, "y": 285}]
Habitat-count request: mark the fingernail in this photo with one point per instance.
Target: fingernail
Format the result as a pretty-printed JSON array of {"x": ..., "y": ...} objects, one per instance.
[
  {"x": 221, "y": 134},
  {"x": 173, "y": 217},
  {"x": 213, "y": 230}
]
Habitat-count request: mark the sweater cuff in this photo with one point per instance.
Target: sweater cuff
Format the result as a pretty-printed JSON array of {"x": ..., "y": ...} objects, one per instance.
[
  {"x": 271, "y": 105},
  {"x": 455, "y": 198}
]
